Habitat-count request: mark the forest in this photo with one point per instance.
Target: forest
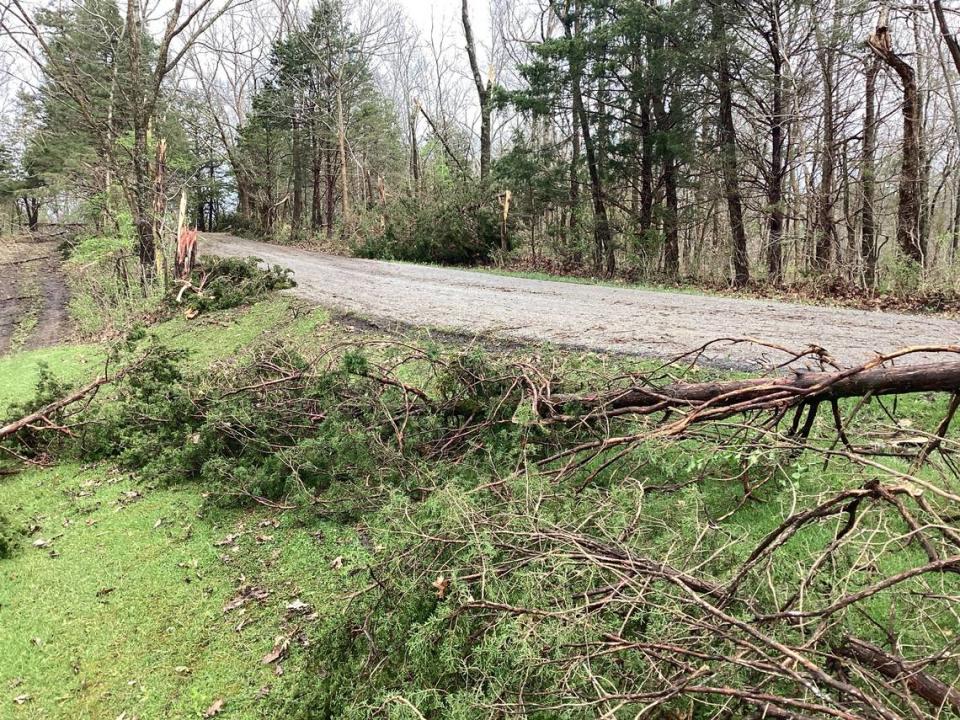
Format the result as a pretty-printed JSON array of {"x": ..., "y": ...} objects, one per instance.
[
  {"x": 806, "y": 142},
  {"x": 479, "y": 360}
]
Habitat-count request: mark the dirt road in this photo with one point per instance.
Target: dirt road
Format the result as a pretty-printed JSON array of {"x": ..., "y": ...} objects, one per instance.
[
  {"x": 33, "y": 293},
  {"x": 640, "y": 322}
]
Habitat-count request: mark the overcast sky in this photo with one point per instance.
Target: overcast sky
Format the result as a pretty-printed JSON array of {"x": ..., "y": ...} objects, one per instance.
[{"x": 445, "y": 15}]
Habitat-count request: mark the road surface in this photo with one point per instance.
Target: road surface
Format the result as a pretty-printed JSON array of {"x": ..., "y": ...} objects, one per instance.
[{"x": 622, "y": 320}]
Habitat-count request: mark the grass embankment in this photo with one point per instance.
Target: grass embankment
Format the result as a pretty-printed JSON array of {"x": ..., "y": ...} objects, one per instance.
[
  {"x": 114, "y": 603},
  {"x": 444, "y": 568}
]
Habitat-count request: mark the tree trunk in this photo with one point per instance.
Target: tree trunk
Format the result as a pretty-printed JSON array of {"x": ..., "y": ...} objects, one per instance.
[
  {"x": 342, "y": 143},
  {"x": 483, "y": 93},
  {"x": 955, "y": 234},
  {"x": 781, "y": 392},
  {"x": 900, "y": 671},
  {"x": 331, "y": 185},
  {"x": 671, "y": 239},
  {"x": 948, "y": 37},
  {"x": 825, "y": 231},
  {"x": 296, "y": 217},
  {"x": 213, "y": 198},
  {"x": 32, "y": 207},
  {"x": 868, "y": 236},
  {"x": 728, "y": 153},
  {"x": 316, "y": 184},
  {"x": 140, "y": 118},
  {"x": 601, "y": 225},
  {"x": 574, "y": 178},
  {"x": 775, "y": 177},
  {"x": 646, "y": 165},
  {"x": 414, "y": 153},
  {"x": 142, "y": 205},
  {"x": 908, "y": 206}
]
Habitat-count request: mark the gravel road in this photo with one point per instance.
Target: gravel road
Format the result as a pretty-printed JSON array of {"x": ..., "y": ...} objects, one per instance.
[{"x": 637, "y": 322}]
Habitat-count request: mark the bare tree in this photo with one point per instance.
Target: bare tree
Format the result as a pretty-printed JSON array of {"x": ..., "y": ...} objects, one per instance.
[{"x": 908, "y": 212}]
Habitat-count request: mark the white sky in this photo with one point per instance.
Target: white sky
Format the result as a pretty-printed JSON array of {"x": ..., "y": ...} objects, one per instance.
[
  {"x": 445, "y": 16},
  {"x": 439, "y": 17}
]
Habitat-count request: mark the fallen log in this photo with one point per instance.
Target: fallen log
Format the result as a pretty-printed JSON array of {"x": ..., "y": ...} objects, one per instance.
[
  {"x": 898, "y": 670},
  {"x": 763, "y": 393}
]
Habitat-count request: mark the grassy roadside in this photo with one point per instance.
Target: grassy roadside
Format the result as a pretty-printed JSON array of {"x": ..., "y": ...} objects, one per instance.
[
  {"x": 132, "y": 597},
  {"x": 115, "y": 602}
]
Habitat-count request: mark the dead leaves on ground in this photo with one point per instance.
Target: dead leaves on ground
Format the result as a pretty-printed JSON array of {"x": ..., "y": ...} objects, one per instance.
[
  {"x": 279, "y": 651},
  {"x": 215, "y": 708},
  {"x": 247, "y": 594}
]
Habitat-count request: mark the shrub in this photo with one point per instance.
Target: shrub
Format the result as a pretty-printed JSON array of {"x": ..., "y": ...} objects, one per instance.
[
  {"x": 229, "y": 282},
  {"x": 106, "y": 289},
  {"x": 457, "y": 226}
]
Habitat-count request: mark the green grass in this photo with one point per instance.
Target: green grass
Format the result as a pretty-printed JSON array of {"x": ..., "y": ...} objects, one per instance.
[
  {"x": 123, "y": 611},
  {"x": 208, "y": 338},
  {"x": 19, "y": 372},
  {"x": 128, "y": 616}
]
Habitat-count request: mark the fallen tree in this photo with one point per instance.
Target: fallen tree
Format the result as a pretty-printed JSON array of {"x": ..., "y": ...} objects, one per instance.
[
  {"x": 640, "y": 583},
  {"x": 45, "y": 418},
  {"x": 722, "y": 398}
]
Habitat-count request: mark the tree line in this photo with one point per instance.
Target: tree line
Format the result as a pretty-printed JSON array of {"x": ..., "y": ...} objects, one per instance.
[{"x": 746, "y": 141}]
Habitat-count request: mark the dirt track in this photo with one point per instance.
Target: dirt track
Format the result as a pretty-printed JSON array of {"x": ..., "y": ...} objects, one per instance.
[
  {"x": 620, "y": 320},
  {"x": 33, "y": 294}
]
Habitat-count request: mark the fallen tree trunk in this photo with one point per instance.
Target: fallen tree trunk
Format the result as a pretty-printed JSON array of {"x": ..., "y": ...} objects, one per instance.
[
  {"x": 765, "y": 393},
  {"x": 898, "y": 670}
]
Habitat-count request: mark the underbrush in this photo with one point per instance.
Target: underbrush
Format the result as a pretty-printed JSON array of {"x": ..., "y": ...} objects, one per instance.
[
  {"x": 453, "y": 226},
  {"x": 527, "y": 559},
  {"x": 9, "y": 537},
  {"x": 106, "y": 291},
  {"x": 109, "y": 293},
  {"x": 224, "y": 283}
]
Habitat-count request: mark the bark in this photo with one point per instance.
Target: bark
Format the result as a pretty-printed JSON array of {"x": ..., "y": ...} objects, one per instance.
[
  {"x": 868, "y": 235},
  {"x": 574, "y": 179},
  {"x": 483, "y": 93},
  {"x": 201, "y": 214},
  {"x": 899, "y": 671},
  {"x": 955, "y": 234},
  {"x": 728, "y": 153},
  {"x": 775, "y": 176},
  {"x": 601, "y": 224},
  {"x": 43, "y": 415},
  {"x": 32, "y": 207},
  {"x": 671, "y": 238},
  {"x": 142, "y": 221},
  {"x": 342, "y": 143},
  {"x": 825, "y": 231},
  {"x": 296, "y": 218},
  {"x": 783, "y": 391},
  {"x": 213, "y": 198},
  {"x": 646, "y": 165},
  {"x": 948, "y": 37},
  {"x": 606, "y": 256},
  {"x": 330, "y": 192},
  {"x": 316, "y": 184},
  {"x": 908, "y": 207},
  {"x": 414, "y": 151}
]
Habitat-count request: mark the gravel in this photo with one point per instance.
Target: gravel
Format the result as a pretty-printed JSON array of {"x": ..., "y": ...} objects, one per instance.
[{"x": 611, "y": 319}]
